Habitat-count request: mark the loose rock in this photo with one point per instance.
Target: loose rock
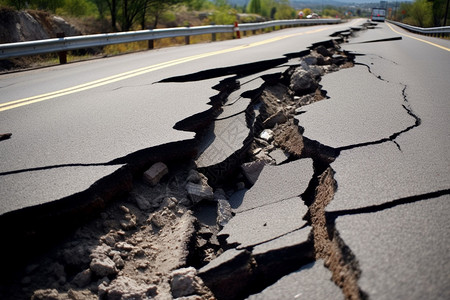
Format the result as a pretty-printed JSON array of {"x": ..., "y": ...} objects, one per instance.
[
  {"x": 48, "y": 294},
  {"x": 127, "y": 288},
  {"x": 184, "y": 282},
  {"x": 302, "y": 82},
  {"x": 102, "y": 265},
  {"x": 142, "y": 202},
  {"x": 194, "y": 176},
  {"x": 224, "y": 213},
  {"x": 83, "y": 278},
  {"x": 155, "y": 173},
  {"x": 199, "y": 192},
  {"x": 267, "y": 135}
]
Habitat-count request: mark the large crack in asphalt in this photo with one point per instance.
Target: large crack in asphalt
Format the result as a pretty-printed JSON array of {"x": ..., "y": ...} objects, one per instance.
[{"x": 119, "y": 249}]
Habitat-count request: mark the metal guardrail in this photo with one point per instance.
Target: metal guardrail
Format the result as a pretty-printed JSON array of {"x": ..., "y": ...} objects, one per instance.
[
  {"x": 431, "y": 30},
  {"x": 87, "y": 41}
]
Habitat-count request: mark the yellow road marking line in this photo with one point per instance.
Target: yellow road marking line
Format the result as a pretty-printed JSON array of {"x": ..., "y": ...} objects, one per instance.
[
  {"x": 413, "y": 37},
  {"x": 137, "y": 72}
]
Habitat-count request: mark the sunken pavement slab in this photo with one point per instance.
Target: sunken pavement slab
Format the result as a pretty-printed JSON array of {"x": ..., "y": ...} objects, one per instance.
[
  {"x": 265, "y": 223},
  {"x": 271, "y": 237},
  {"x": 275, "y": 183},
  {"x": 272, "y": 207}
]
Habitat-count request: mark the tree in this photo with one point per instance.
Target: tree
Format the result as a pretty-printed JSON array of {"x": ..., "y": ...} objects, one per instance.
[
  {"x": 284, "y": 10},
  {"x": 17, "y": 4},
  {"x": 306, "y": 12},
  {"x": 223, "y": 14},
  {"x": 113, "y": 10},
  {"x": 254, "y": 6},
  {"x": 438, "y": 9},
  {"x": 76, "y": 8},
  {"x": 421, "y": 12}
]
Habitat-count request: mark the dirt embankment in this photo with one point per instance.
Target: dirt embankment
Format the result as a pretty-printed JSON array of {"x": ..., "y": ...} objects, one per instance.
[{"x": 21, "y": 26}]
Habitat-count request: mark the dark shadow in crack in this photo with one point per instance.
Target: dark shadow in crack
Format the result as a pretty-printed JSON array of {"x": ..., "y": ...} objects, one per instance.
[
  {"x": 396, "y": 38},
  {"x": 5, "y": 136},
  {"x": 140, "y": 159},
  {"x": 50, "y": 167},
  {"x": 332, "y": 216},
  {"x": 239, "y": 70}
]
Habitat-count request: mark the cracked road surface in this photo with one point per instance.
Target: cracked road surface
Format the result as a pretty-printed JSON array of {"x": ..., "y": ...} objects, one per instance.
[
  {"x": 379, "y": 225},
  {"x": 336, "y": 171}
]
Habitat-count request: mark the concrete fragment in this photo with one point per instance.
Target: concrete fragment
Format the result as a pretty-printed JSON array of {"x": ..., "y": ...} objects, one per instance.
[
  {"x": 199, "y": 192},
  {"x": 252, "y": 170},
  {"x": 267, "y": 135},
  {"x": 155, "y": 173},
  {"x": 184, "y": 282}
]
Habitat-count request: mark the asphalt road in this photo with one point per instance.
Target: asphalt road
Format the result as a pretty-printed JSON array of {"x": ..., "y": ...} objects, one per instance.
[
  {"x": 387, "y": 118},
  {"x": 89, "y": 114}
]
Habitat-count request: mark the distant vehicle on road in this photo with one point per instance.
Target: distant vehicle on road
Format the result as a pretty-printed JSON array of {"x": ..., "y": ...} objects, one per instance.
[
  {"x": 378, "y": 14},
  {"x": 313, "y": 16}
]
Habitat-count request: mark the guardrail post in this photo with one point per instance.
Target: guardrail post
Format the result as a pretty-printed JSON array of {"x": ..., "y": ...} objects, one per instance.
[
  {"x": 187, "y": 39},
  {"x": 151, "y": 44},
  {"x": 62, "y": 54},
  {"x": 213, "y": 35},
  {"x": 236, "y": 29}
]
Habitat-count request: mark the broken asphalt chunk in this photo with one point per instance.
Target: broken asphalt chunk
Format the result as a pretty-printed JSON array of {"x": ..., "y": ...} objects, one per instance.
[
  {"x": 198, "y": 192},
  {"x": 280, "y": 156},
  {"x": 265, "y": 223},
  {"x": 252, "y": 170},
  {"x": 275, "y": 183}
]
